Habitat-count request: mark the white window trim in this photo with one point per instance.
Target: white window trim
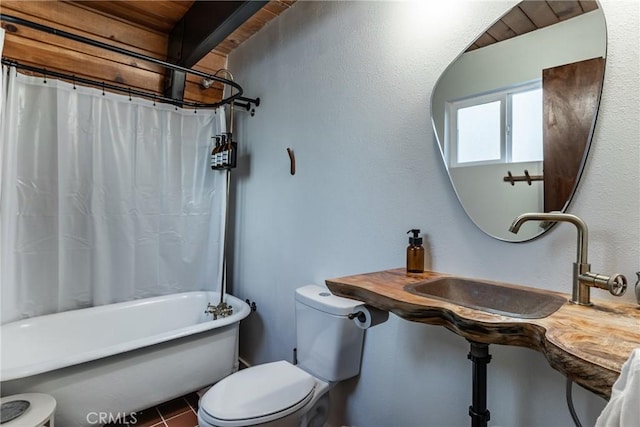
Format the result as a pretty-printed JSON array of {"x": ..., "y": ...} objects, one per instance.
[{"x": 451, "y": 126}]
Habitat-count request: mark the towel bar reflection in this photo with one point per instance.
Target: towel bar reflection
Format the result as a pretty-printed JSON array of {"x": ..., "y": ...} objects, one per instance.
[{"x": 528, "y": 178}]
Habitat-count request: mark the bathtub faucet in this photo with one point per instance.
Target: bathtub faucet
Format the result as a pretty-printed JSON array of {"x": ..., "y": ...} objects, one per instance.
[
  {"x": 583, "y": 278},
  {"x": 221, "y": 310}
]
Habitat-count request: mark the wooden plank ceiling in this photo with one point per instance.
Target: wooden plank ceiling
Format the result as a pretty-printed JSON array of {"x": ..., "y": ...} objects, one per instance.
[
  {"x": 139, "y": 26},
  {"x": 530, "y": 15}
]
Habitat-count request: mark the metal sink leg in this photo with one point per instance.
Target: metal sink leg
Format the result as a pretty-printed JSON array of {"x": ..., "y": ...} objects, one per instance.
[{"x": 480, "y": 358}]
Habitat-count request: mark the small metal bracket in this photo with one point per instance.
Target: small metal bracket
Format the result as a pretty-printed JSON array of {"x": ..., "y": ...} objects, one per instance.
[
  {"x": 251, "y": 304},
  {"x": 358, "y": 315}
]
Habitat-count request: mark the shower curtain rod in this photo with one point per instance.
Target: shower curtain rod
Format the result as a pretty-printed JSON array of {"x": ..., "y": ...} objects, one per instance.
[
  {"x": 102, "y": 85},
  {"x": 95, "y": 43}
]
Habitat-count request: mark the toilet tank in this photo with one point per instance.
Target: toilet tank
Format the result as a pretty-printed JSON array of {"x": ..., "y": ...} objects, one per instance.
[{"x": 329, "y": 343}]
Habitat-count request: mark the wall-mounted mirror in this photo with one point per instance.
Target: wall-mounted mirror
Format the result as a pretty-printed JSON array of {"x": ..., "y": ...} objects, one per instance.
[{"x": 514, "y": 114}]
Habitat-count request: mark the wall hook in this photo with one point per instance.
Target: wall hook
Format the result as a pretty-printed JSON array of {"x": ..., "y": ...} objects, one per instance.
[{"x": 292, "y": 160}]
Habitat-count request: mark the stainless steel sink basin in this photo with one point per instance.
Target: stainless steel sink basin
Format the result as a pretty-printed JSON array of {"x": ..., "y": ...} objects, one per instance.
[{"x": 490, "y": 297}]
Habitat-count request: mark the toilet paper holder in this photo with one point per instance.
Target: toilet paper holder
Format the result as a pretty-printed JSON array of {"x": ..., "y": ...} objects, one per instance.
[
  {"x": 357, "y": 315},
  {"x": 367, "y": 317}
]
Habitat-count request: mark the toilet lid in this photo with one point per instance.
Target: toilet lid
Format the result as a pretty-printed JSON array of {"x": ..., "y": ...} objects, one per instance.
[{"x": 277, "y": 388}]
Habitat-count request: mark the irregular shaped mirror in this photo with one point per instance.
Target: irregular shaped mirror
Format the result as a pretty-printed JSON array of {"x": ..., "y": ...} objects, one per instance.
[{"x": 514, "y": 114}]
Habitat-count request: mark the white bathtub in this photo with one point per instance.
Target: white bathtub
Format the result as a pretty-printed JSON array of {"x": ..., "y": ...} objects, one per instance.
[{"x": 120, "y": 358}]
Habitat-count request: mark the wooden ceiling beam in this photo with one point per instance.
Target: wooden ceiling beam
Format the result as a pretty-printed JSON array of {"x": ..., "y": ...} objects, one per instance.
[
  {"x": 204, "y": 26},
  {"x": 201, "y": 29}
]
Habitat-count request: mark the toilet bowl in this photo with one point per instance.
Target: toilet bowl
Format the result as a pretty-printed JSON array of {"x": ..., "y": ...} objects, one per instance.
[
  {"x": 329, "y": 349},
  {"x": 274, "y": 394}
]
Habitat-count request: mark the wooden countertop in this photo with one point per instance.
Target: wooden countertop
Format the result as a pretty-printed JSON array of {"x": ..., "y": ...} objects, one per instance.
[{"x": 587, "y": 344}]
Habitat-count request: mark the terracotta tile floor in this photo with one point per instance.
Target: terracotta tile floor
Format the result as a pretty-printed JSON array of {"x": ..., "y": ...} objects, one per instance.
[{"x": 180, "y": 412}]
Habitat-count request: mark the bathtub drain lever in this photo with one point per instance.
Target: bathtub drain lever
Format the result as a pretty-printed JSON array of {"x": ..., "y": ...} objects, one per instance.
[{"x": 221, "y": 310}]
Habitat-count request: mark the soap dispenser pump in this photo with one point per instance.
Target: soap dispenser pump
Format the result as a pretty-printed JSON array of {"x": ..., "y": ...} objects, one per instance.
[{"x": 415, "y": 253}]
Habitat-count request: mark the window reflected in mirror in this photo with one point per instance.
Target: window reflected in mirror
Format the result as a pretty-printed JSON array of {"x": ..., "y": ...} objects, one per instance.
[{"x": 501, "y": 127}]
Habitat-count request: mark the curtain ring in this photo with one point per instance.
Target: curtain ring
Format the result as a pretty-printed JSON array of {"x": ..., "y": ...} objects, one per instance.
[
  {"x": 45, "y": 75},
  {"x": 154, "y": 100},
  {"x": 102, "y": 88},
  {"x": 74, "y": 81},
  {"x": 129, "y": 89}
]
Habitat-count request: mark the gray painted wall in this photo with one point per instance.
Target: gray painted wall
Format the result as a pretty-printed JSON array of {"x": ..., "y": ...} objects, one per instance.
[
  {"x": 347, "y": 85},
  {"x": 493, "y": 203}
]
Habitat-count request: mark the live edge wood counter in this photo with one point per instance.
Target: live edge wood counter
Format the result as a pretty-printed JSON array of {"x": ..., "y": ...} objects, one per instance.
[{"x": 587, "y": 344}]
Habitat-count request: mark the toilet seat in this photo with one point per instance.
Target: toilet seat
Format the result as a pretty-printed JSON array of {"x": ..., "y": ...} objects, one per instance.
[{"x": 257, "y": 395}]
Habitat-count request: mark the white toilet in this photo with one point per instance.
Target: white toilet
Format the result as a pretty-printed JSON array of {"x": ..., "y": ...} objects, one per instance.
[{"x": 281, "y": 394}]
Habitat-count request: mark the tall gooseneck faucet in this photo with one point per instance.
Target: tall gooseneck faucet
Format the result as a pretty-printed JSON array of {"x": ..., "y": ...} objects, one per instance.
[{"x": 583, "y": 279}]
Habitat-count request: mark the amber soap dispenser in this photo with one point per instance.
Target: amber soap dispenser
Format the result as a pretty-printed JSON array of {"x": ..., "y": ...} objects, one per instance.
[{"x": 415, "y": 253}]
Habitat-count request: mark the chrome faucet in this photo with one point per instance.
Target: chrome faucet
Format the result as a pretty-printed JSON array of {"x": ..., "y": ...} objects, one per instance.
[{"x": 583, "y": 279}]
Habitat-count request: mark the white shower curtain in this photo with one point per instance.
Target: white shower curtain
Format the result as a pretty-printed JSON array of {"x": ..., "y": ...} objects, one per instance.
[
  {"x": 1, "y": 74},
  {"x": 102, "y": 198}
]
